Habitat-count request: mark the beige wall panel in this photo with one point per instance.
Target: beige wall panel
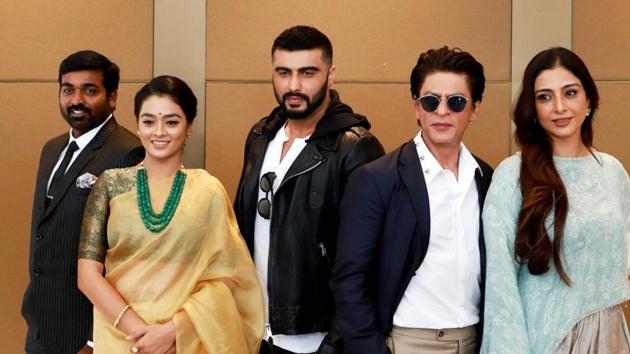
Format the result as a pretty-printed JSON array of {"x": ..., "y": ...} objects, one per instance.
[
  {"x": 234, "y": 108},
  {"x": 388, "y": 107},
  {"x": 378, "y": 41},
  {"x": 31, "y": 117},
  {"x": 231, "y": 110},
  {"x": 489, "y": 136},
  {"x": 37, "y": 35},
  {"x": 600, "y": 37},
  {"x": 611, "y": 124},
  {"x": 390, "y": 110},
  {"x": 124, "y": 106}
]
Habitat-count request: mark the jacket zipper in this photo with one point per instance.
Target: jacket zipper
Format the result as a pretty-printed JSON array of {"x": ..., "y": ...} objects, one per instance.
[
  {"x": 269, "y": 274},
  {"x": 297, "y": 174},
  {"x": 325, "y": 254}
]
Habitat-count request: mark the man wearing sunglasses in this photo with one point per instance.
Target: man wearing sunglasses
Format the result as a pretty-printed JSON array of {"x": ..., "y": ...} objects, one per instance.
[
  {"x": 297, "y": 161},
  {"x": 409, "y": 273}
]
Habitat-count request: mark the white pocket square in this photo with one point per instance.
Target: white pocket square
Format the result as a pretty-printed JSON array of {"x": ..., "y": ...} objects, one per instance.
[{"x": 86, "y": 180}]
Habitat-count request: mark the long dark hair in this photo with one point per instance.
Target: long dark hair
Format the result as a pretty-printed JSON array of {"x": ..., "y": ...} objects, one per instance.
[{"x": 541, "y": 186}]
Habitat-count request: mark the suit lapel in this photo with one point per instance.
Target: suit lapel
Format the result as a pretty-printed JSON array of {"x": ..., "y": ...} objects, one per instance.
[
  {"x": 410, "y": 170},
  {"x": 49, "y": 158},
  {"x": 411, "y": 173},
  {"x": 79, "y": 163}
]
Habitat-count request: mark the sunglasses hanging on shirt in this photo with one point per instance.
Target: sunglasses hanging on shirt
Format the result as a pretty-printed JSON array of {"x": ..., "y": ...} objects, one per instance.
[{"x": 266, "y": 185}]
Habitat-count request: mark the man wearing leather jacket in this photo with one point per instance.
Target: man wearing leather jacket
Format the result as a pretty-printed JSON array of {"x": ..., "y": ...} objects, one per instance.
[{"x": 296, "y": 163}]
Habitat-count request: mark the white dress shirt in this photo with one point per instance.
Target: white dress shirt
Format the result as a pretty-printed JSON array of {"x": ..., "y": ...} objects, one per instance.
[
  {"x": 445, "y": 291},
  {"x": 82, "y": 142},
  {"x": 301, "y": 343}
]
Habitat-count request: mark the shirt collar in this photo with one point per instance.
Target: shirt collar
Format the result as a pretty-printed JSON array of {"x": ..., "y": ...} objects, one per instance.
[
  {"x": 431, "y": 166},
  {"x": 282, "y": 134},
  {"x": 85, "y": 138}
]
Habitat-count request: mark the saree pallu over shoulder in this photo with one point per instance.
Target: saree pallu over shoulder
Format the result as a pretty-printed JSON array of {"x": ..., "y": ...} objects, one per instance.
[
  {"x": 527, "y": 313},
  {"x": 197, "y": 271}
]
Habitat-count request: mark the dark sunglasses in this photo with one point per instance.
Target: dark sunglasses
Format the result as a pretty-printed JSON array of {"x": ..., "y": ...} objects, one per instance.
[
  {"x": 456, "y": 103},
  {"x": 266, "y": 185}
]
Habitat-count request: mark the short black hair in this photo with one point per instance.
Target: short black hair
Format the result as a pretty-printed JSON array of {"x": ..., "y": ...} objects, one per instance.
[
  {"x": 452, "y": 60},
  {"x": 303, "y": 38},
  {"x": 91, "y": 60},
  {"x": 173, "y": 87}
]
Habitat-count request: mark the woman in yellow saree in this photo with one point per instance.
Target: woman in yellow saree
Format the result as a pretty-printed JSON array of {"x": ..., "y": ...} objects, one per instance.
[{"x": 176, "y": 281}]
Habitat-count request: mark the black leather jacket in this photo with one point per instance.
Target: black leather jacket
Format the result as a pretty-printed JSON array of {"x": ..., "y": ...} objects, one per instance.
[{"x": 304, "y": 218}]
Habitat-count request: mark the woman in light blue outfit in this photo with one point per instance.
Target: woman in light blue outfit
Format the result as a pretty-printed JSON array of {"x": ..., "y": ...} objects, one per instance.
[{"x": 556, "y": 221}]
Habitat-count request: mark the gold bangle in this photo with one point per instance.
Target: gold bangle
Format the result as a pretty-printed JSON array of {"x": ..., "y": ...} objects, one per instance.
[{"x": 120, "y": 315}]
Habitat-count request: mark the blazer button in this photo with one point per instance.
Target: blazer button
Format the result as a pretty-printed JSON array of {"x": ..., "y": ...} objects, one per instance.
[
  {"x": 37, "y": 272},
  {"x": 441, "y": 334},
  {"x": 39, "y": 236}
]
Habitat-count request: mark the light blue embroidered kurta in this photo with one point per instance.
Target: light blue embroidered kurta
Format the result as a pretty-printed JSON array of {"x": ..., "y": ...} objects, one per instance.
[{"x": 532, "y": 314}]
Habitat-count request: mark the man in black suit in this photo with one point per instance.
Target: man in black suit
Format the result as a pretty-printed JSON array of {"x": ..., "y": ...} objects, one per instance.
[
  {"x": 58, "y": 315},
  {"x": 409, "y": 273}
]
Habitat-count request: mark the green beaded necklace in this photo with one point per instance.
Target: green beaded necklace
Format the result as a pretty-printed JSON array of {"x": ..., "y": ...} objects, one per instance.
[{"x": 153, "y": 221}]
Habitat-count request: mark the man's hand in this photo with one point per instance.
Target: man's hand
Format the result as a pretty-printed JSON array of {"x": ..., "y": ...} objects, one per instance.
[{"x": 85, "y": 350}]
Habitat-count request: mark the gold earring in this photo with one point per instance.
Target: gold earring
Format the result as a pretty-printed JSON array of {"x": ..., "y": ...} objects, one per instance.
[{"x": 189, "y": 134}]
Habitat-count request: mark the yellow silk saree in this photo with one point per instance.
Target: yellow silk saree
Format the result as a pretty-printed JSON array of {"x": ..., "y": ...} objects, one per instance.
[{"x": 197, "y": 271}]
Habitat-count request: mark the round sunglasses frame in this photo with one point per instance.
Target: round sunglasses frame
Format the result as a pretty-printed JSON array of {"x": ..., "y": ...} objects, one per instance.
[{"x": 431, "y": 102}]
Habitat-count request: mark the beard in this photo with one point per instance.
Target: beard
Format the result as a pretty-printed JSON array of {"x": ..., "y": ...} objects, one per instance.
[{"x": 311, "y": 104}]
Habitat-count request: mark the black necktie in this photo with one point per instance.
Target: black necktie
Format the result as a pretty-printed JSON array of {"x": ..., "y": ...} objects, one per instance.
[{"x": 62, "y": 168}]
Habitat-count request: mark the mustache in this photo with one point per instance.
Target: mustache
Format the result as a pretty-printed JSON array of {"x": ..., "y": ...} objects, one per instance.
[
  {"x": 78, "y": 106},
  {"x": 294, "y": 94}
]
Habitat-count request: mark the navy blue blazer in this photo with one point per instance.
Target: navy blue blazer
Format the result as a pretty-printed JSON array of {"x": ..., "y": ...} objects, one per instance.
[{"x": 383, "y": 239}]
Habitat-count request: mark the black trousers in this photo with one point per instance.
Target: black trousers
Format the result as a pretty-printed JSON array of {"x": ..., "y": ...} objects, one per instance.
[{"x": 266, "y": 348}]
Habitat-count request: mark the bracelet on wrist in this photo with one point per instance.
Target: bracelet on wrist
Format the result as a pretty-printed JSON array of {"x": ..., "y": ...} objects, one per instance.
[{"x": 120, "y": 315}]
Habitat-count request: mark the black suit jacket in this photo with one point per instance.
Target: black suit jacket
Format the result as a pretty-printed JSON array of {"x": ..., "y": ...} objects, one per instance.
[
  {"x": 383, "y": 239},
  {"x": 58, "y": 315}
]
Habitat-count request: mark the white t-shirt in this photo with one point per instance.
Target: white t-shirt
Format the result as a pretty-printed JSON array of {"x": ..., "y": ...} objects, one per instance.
[{"x": 302, "y": 343}]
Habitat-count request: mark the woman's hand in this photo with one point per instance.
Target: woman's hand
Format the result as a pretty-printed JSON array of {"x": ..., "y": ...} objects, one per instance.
[{"x": 154, "y": 339}]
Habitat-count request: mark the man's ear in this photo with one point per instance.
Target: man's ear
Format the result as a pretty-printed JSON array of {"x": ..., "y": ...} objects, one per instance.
[
  {"x": 475, "y": 113},
  {"x": 332, "y": 71},
  {"x": 417, "y": 108},
  {"x": 113, "y": 96}
]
